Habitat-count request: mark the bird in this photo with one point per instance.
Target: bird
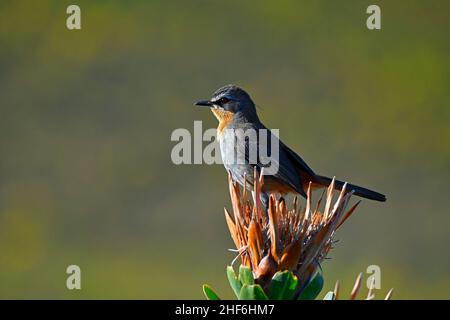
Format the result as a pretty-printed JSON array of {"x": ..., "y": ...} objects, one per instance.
[{"x": 236, "y": 112}]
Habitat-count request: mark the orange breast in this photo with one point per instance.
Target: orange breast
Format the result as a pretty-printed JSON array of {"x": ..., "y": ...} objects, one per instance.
[{"x": 224, "y": 118}]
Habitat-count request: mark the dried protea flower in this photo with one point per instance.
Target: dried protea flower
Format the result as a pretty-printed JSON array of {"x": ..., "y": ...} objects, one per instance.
[
  {"x": 281, "y": 248},
  {"x": 283, "y": 238}
]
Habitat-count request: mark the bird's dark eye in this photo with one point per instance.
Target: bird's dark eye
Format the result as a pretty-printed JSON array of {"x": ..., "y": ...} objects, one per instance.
[{"x": 223, "y": 100}]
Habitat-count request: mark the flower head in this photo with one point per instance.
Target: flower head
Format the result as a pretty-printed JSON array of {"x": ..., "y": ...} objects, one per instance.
[{"x": 294, "y": 239}]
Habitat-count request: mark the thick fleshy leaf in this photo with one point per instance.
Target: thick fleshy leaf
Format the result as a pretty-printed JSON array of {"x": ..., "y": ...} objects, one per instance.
[
  {"x": 209, "y": 293},
  {"x": 313, "y": 288},
  {"x": 252, "y": 292},
  {"x": 246, "y": 275},
  {"x": 234, "y": 281},
  {"x": 283, "y": 286},
  {"x": 330, "y": 296}
]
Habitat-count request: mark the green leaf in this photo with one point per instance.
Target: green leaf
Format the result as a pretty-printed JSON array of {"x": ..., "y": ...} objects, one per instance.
[
  {"x": 283, "y": 286},
  {"x": 313, "y": 288},
  {"x": 252, "y": 292},
  {"x": 234, "y": 281},
  {"x": 246, "y": 275},
  {"x": 209, "y": 293},
  {"x": 329, "y": 296}
]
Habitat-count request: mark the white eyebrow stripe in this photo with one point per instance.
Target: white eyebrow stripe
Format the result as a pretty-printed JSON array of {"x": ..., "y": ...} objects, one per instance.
[{"x": 217, "y": 98}]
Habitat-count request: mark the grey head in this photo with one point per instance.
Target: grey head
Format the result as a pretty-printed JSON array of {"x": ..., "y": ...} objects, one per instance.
[{"x": 233, "y": 99}]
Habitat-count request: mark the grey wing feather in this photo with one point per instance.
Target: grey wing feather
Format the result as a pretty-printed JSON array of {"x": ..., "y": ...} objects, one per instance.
[
  {"x": 300, "y": 163},
  {"x": 285, "y": 162}
]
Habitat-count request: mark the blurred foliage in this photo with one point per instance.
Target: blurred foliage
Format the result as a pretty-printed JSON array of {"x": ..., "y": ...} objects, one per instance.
[{"x": 86, "y": 118}]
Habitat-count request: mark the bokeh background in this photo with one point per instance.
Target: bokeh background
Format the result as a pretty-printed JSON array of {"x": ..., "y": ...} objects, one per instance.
[{"x": 86, "y": 118}]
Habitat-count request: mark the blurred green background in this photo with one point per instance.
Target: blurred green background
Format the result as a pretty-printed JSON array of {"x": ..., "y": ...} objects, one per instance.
[{"x": 86, "y": 118}]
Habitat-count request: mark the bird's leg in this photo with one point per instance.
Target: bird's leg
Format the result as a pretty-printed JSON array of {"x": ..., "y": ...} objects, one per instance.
[
  {"x": 264, "y": 197},
  {"x": 264, "y": 200}
]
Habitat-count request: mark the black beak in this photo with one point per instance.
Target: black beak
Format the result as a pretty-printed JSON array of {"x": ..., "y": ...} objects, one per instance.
[{"x": 204, "y": 103}]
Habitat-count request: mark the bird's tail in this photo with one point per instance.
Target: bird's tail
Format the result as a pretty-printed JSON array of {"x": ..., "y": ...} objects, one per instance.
[{"x": 359, "y": 191}]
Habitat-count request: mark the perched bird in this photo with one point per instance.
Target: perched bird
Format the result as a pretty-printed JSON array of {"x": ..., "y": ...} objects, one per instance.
[{"x": 234, "y": 109}]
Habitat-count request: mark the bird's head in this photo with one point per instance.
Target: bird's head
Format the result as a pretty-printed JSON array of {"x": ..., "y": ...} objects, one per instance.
[{"x": 229, "y": 101}]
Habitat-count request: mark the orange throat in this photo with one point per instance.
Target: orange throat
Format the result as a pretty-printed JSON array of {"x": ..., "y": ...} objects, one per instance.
[{"x": 224, "y": 118}]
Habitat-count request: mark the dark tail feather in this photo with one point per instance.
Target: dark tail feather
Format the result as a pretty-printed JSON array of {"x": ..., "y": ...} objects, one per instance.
[{"x": 359, "y": 191}]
